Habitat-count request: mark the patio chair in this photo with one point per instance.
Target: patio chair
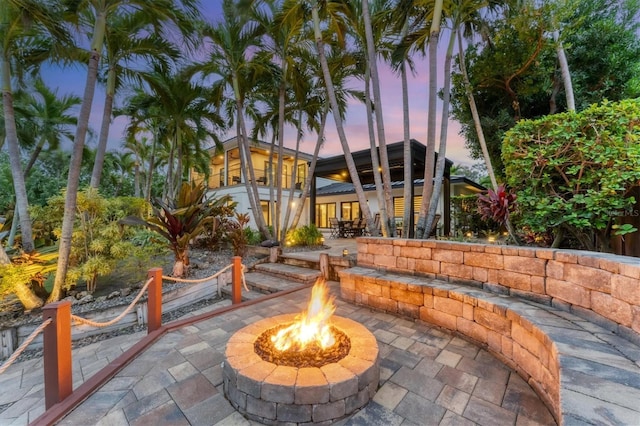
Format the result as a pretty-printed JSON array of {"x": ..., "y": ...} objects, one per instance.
[
  {"x": 359, "y": 227},
  {"x": 334, "y": 227}
]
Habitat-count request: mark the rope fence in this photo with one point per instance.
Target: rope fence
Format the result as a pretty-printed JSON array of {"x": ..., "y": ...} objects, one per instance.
[
  {"x": 24, "y": 345},
  {"x": 201, "y": 280},
  {"x": 128, "y": 309}
]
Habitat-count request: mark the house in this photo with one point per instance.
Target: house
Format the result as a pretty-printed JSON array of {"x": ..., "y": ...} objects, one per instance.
[
  {"x": 338, "y": 199},
  {"x": 226, "y": 176},
  {"x": 332, "y": 193}
]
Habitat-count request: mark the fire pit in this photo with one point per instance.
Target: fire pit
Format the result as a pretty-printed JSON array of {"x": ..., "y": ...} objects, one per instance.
[{"x": 301, "y": 368}]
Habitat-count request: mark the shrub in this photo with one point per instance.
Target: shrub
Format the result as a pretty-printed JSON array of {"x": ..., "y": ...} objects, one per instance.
[
  {"x": 575, "y": 172},
  {"x": 307, "y": 235}
]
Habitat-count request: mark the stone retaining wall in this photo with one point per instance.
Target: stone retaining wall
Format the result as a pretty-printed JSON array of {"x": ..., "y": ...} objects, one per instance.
[
  {"x": 602, "y": 288},
  {"x": 493, "y": 321}
]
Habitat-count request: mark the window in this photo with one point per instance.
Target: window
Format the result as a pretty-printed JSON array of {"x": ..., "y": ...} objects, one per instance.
[
  {"x": 350, "y": 210},
  {"x": 266, "y": 212},
  {"x": 301, "y": 175},
  {"x": 323, "y": 213}
]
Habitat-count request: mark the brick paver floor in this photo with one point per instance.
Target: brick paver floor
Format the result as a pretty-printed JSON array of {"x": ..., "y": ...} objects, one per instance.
[{"x": 427, "y": 377}]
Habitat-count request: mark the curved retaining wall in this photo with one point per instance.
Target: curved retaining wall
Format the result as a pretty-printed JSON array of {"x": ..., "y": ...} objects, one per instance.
[{"x": 600, "y": 287}]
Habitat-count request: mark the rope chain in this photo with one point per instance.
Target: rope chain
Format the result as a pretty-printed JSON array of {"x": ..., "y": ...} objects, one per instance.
[
  {"x": 24, "y": 345},
  {"x": 119, "y": 317},
  {"x": 201, "y": 280},
  {"x": 129, "y": 308}
]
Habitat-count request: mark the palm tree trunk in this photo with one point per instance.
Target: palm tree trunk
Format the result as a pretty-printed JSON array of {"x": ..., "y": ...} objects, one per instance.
[
  {"x": 427, "y": 189},
  {"x": 353, "y": 171},
  {"x": 13, "y": 147},
  {"x": 74, "y": 173},
  {"x": 279, "y": 228},
  {"x": 152, "y": 159},
  {"x": 566, "y": 75},
  {"x": 407, "y": 192},
  {"x": 375, "y": 161},
  {"x": 312, "y": 169},
  {"x": 294, "y": 174},
  {"x": 4, "y": 258},
  {"x": 26, "y": 296},
  {"x": 377, "y": 98},
  {"x": 245, "y": 159},
  {"x": 442, "y": 150},
  {"x": 479, "y": 131},
  {"x": 104, "y": 130}
]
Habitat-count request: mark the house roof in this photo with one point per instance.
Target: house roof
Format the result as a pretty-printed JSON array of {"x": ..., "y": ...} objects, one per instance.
[
  {"x": 335, "y": 168},
  {"x": 347, "y": 187}
]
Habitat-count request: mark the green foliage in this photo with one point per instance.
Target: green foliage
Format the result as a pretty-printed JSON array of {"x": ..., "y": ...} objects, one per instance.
[
  {"x": 181, "y": 220},
  {"x": 307, "y": 235},
  {"x": 601, "y": 42},
  {"x": 497, "y": 205},
  {"x": 253, "y": 236},
  {"x": 576, "y": 170},
  {"x": 467, "y": 218}
]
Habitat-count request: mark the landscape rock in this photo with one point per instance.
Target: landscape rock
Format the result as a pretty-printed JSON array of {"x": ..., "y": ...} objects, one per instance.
[{"x": 86, "y": 299}]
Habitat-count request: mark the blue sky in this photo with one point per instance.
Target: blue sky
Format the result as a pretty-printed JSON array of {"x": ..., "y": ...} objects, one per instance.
[{"x": 71, "y": 80}]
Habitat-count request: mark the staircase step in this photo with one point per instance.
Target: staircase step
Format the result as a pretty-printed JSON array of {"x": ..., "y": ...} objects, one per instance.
[
  {"x": 295, "y": 260},
  {"x": 246, "y": 295},
  {"x": 268, "y": 283},
  {"x": 291, "y": 272}
]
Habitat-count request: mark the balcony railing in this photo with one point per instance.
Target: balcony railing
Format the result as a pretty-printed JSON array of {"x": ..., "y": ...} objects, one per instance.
[{"x": 236, "y": 177}]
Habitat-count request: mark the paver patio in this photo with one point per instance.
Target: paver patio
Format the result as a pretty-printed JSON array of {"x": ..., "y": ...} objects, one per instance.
[{"x": 428, "y": 376}]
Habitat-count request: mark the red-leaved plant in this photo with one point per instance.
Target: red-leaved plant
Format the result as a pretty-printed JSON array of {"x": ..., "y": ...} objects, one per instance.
[{"x": 497, "y": 204}]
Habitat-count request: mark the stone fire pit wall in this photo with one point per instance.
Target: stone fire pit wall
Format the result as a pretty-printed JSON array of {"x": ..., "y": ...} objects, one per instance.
[
  {"x": 273, "y": 394},
  {"x": 600, "y": 287}
]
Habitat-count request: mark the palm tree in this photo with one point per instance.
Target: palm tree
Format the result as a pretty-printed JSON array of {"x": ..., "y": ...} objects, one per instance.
[
  {"x": 190, "y": 119},
  {"x": 27, "y": 31},
  {"x": 49, "y": 122},
  {"x": 233, "y": 41},
  {"x": 128, "y": 40},
  {"x": 336, "y": 26},
  {"x": 427, "y": 189},
  {"x": 96, "y": 14},
  {"x": 371, "y": 45}
]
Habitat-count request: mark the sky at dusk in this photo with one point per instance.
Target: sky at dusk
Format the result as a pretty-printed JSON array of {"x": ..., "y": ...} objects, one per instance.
[{"x": 72, "y": 80}]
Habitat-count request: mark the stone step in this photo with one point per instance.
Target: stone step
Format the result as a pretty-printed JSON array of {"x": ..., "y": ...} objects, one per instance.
[
  {"x": 268, "y": 283},
  {"x": 298, "y": 260},
  {"x": 289, "y": 272},
  {"x": 246, "y": 295}
]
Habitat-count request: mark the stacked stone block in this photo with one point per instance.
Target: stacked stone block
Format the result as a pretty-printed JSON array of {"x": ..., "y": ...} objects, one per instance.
[{"x": 600, "y": 287}]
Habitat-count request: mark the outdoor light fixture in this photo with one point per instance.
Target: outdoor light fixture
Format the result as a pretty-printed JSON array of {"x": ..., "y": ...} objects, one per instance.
[{"x": 345, "y": 252}]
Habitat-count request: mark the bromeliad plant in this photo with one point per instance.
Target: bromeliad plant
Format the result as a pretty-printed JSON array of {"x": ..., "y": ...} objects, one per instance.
[
  {"x": 497, "y": 205},
  {"x": 181, "y": 220}
]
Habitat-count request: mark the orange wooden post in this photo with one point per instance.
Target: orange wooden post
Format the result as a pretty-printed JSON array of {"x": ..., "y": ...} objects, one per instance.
[
  {"x": 154, "y": 302},
  {"x": 58, "y": 382},
  {"x": 236, "y": 280}
]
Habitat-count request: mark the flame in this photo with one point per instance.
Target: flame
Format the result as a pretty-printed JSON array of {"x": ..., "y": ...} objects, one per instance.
[{"x": 311, "y": 325}]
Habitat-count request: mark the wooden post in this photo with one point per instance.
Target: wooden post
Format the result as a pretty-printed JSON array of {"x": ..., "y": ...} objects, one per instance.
[
  {"x": 236, "y": 280},
  {"x": 324, "y": 265},
  {"x": 154, "y": 302},
  {"x": 58, "y": 381}
]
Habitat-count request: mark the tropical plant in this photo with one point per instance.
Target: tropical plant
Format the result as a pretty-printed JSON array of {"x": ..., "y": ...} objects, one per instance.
[
  {"x": 237, "y": 235},
  {"x": 129, "y": 38},
  {"x": 181, "y": 220},
  {"x": 574, "y": 171},
  {"x": 497, "y": 205},
  {"x": 28, "y": 30},
  {"x": 307, "y": 235},
  {"x": 93, "y": 15},
  {"x": 25, "y": 276}
]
